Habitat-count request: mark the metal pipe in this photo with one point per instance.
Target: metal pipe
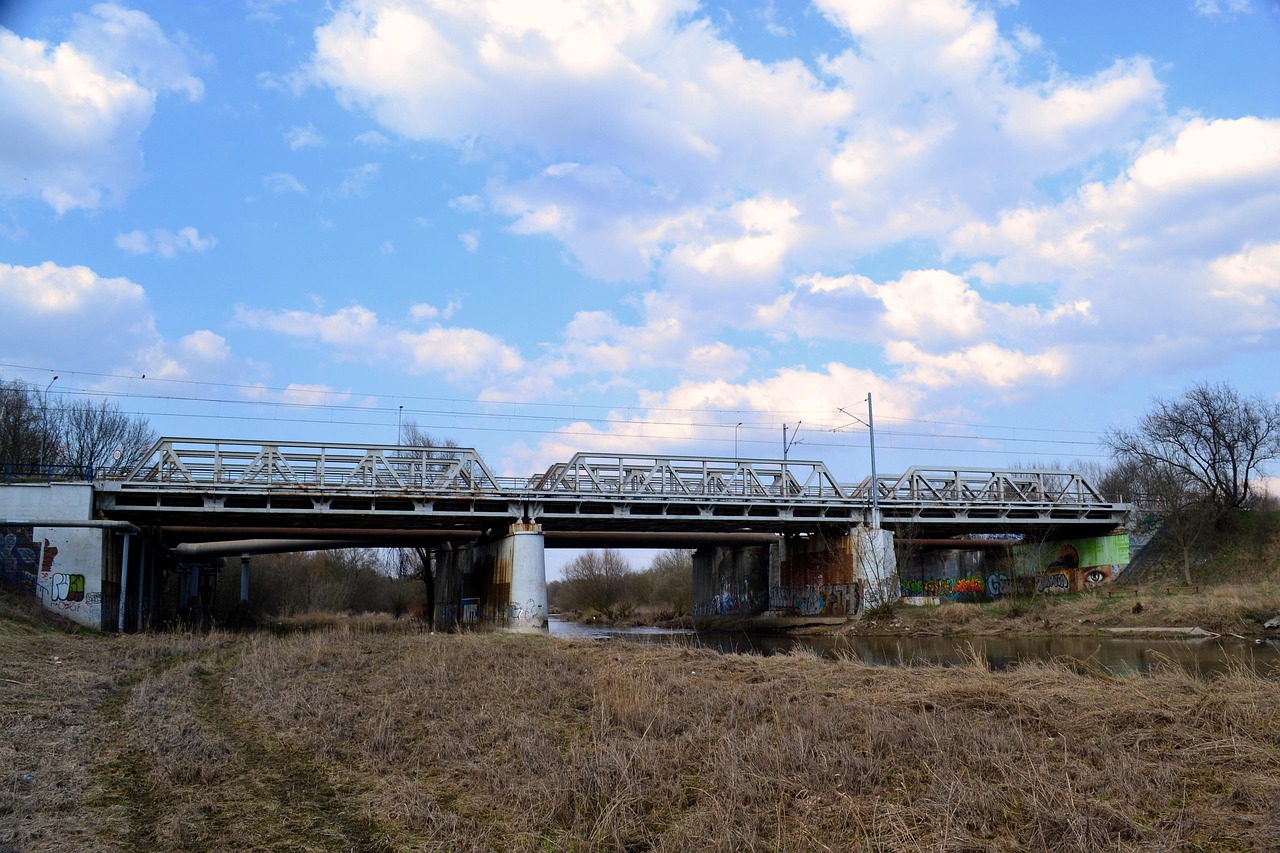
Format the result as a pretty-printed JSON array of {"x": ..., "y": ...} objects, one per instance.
[
  {"x": 94, "y": 524},
  {"x": 267, "y": 546},
  {"x": 124, "y": 584}
]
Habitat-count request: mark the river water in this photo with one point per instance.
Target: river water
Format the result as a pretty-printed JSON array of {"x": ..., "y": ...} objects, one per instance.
[{"x": 1113, "y": 655}]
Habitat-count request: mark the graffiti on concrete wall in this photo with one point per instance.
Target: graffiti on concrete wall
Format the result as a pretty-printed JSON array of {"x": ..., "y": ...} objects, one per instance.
[
  {"x": 1053, "y": 582},
  {"x": 972, "y": 585},
  {"x": 19, "y": 557},
  {"x": 522, "y": 612},
  {"x": 65, "y": 587},
  {"x": 836, "y": 599},
  {"x": 1099, "y": 575}
]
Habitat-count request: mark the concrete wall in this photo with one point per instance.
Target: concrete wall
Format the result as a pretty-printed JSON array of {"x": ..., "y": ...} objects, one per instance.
[
  {"x": 832, "y": 576},
  {"x": 1068, "y": 565},
  {"x": 815, "y": 578},
  {"x": 732, "y": 581},
  {"x": 61, "y": 566}
]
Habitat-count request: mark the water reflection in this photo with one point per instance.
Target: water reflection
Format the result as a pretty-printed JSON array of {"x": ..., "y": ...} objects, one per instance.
[{"x": 1113, "y": 655}]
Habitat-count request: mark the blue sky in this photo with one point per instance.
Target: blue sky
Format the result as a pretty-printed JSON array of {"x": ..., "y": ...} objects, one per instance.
[{"x": 647, "y": 227}]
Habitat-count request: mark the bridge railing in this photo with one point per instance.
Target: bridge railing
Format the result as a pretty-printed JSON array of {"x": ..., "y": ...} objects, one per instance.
[
  {"x": 953, "y": 486},
  {"x": 688, "y": 477},
  {"x": 44, "y": 472},
  {"x": 196, "y": 463}
]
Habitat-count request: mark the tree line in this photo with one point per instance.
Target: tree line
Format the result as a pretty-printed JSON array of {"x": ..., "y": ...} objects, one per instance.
[
  {"x": 602, "y": 583},
  {"x": 39, "y": 430}
]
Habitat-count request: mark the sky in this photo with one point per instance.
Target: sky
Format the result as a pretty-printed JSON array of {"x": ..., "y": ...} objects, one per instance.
[{"x": 644, "y": 227}]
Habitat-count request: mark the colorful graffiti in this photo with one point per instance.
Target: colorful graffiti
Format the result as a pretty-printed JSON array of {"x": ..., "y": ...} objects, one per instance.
[
  {"x": 66, "y": 587},
  {"x": 837, "y": 599},
  {"x": 972, "y": 585}
]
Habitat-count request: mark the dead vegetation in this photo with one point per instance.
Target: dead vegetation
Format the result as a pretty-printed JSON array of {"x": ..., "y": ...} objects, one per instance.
[
  {"x": 1234, "y": 608},
  {"x": 355, "y": 739}
]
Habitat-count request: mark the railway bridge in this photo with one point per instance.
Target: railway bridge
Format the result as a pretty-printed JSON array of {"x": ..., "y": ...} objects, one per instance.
[{"x": 765, "y": 532}]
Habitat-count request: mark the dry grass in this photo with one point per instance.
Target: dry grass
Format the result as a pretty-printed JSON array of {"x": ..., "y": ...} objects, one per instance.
[
  {"x": 370, "y": 740},
  {"x": 1227, "y": 609}
]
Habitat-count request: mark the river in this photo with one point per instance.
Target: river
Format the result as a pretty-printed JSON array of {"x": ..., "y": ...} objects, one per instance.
[{"x": 1112, "y": 655}]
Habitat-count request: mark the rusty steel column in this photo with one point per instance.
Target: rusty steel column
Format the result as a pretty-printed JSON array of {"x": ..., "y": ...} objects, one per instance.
[{"x": 244, "y": 578}]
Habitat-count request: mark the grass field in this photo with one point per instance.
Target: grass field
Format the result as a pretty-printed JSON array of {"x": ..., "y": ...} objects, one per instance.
[{"x": 369, "y": 739}]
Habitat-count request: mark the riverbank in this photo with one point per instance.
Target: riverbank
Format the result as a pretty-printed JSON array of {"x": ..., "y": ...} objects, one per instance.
[
  {"x": 1239, "y": 609},
  {"x": 360, "y": 739},
  {"x": 1235, "y": 609}
]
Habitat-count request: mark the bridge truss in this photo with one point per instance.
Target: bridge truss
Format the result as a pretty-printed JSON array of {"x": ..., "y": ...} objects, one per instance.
[{"x": 252, "y": 485}]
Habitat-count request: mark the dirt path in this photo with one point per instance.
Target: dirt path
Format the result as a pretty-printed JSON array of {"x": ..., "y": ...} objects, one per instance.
[{"x": 190, "y": 771}]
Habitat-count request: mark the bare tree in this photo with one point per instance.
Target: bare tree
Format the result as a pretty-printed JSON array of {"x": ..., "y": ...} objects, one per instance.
[
  {"x": 99, "y": 435},
  {"x": 423, "y": 560},
  {"x": 1211, "y": 439},
  {"x": 596, "y": 580},
  {"x": 22, "y": 422},
  {"x": 670, "y": 578}
]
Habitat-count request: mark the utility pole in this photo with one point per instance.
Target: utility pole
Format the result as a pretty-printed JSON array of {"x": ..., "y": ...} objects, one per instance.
[
  {"x": 44, "y": 430},
  {"x": 870, "y": 423},
  {"x": 786, "y": 445}
]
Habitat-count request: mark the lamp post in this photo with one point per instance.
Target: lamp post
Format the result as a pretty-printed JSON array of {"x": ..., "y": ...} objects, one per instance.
[
  {"x": 44, "y": 430},
  {"x": 871, "y": 433},
  {"x": 735, "y": 440},
  {"x": 399, "y": 418}
]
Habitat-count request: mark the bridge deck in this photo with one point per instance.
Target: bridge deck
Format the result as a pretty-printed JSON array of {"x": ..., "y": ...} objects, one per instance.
[{"x": 247, "y": 485}]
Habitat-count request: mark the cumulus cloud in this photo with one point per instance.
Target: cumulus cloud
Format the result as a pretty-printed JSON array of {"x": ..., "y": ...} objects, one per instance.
[
  {"x": 165, "y": 243},
  {"x": 75, "y": 111},
  {"x": 1183, "y": 233},
  {"x": 357, "y": 334}
]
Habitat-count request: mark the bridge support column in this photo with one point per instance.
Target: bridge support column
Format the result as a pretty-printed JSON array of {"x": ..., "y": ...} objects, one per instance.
[
  {"x": 527, "y": 598},
  {"x": 731, "y": 583},
  {"x": 244, "y": 579},
  {"x": 501, "y": 582},
  {"x": 876, "y": 566}
]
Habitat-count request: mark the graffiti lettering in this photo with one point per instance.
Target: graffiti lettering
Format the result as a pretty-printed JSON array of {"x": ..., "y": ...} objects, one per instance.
[
  {"x": 67, "y": 587},
  {"x": 945, "y": 587},
  {"x": 1054, "y": 582}
]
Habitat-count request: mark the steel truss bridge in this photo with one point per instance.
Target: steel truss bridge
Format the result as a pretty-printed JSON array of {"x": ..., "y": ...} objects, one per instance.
[{"x": 197, "y": 489}]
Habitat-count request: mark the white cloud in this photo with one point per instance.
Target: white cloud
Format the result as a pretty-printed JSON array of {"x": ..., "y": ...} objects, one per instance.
[
  {"x": 355, "y": 181},
  {"x": 130, "y": 41},
  {"x": 1219, "y": 8},
  {"x": 304, "y": 137},
  {"x": 75, "y": 111},
  {"x": 373, "y": 138},
  {"x": 283, "y": 182},
  {"x": 470, "y": 240},
  {"x": 978, "y": 366},
  {"x": 166, "y": 244},
  {"x": 357, "y": 334},
  {"x": 468, "y": 203}
]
